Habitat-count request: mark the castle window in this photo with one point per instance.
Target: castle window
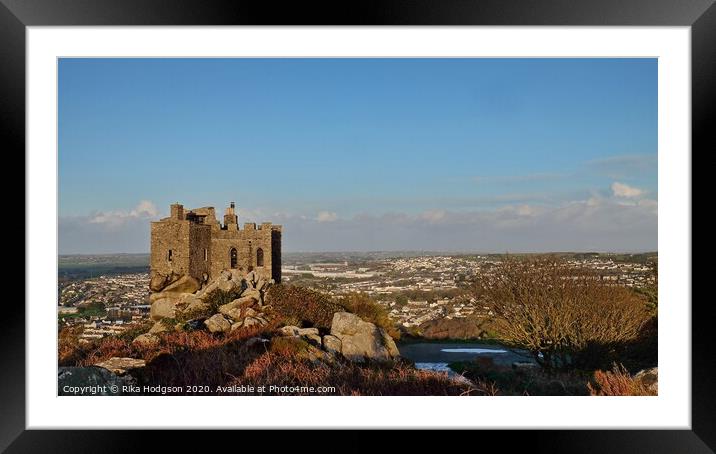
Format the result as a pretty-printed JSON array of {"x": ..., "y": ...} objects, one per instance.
[
  {"x": 233, "y": 257},
  {"x": 169, "y": 255},
  {"x": 206, "y": 254},
  {"x": 259, "y": 257}
]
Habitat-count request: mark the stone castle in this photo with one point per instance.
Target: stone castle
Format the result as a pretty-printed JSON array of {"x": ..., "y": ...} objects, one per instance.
[{"x": 193, "y": 243}]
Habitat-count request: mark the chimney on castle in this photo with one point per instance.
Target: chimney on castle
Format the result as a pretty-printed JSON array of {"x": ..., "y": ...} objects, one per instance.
[
  {"x": 177, "y": 211},
  {"x": 230, "y": 217}
]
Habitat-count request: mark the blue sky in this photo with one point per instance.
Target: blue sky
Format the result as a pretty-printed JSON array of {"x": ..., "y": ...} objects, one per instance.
[{"x": 439, "y": 154}]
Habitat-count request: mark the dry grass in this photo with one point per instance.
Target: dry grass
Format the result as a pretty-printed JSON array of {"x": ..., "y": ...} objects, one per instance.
[
  {"x": 300, "y": 306},
  {"x": 618, "y": 382},
  {"x": 349, "y": 379},
  {"x": 75, "y": 354},
  {"x": 200, "y": 358}
]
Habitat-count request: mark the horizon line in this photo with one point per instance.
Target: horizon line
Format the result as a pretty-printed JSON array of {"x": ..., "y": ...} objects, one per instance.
[{"x": 428, "y": 251}]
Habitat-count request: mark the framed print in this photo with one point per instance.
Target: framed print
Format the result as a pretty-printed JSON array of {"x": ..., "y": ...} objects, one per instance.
[{"x": 407, "y": 217}]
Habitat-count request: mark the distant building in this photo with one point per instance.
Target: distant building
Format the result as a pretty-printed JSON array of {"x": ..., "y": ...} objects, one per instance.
[
  {"x": 67, "y": 310},
  {"x": 192, "y": 242}
]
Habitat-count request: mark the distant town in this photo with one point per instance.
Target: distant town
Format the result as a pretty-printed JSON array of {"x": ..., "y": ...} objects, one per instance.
[{"x": 105, "y": 295}]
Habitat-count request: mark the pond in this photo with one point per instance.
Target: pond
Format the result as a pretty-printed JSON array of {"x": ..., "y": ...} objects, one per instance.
[{"x": 437, "y": 355}]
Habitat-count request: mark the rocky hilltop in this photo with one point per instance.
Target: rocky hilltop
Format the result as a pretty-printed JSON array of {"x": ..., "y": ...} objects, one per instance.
[
  {"x": 182, "y": 304},
  {"x": 233, "y": 327}
]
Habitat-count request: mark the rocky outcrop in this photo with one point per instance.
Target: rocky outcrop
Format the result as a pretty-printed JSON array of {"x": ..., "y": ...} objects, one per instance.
[
  {"x": 91, "y": 381},
  {"x": 194, "y": 304},
  {"x": 121, "y": 366},
  {"x": 217, "y": 323},
  {"x": 146, "y": 340},
  {"x": 361, "y": 340},
  {"x": 157, "y": 281},
  {"x": 158, "y": 327},
  {"x": 331, "y": 344},
  {"x": 163, "y": 308},
  {"x": 228, "y": 280},
  {"x": 311, "y": 334},
  {"x": 183, "y": 298},
  {"x": 353, "y": 338},
  {"x": 288, "y": 330},
  {"x": 185, "y": 284},
  {"x": 251, "y": 321}
]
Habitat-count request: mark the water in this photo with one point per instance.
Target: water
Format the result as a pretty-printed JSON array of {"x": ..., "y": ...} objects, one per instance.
[
  {"x": 473, "y": 350},
  {"x": 436, "y": 356}
]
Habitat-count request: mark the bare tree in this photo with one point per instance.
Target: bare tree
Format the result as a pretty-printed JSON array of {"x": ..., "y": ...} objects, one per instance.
[{"x": 565, "y": 316}]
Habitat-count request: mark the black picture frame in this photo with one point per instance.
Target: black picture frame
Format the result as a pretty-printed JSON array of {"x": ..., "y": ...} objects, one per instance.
[{"x": 16, "y": 15}]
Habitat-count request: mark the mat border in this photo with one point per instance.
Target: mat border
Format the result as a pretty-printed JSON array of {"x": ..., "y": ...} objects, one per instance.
[{"x": 700, "y": 15}]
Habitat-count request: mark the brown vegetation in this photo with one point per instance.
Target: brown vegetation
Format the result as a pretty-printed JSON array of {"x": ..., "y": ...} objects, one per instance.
[
  {"x": 350, "y": 379},
  {"x": 618, "y": 382},
  {"x": 201, "y": 358},
  {"x": 183, "y": 358},
  {"x": 565, "y": 316},
  {"x": 302, "y": 307}
]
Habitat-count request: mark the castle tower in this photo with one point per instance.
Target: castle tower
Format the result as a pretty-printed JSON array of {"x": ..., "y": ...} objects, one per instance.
[{"x": 230, "y": 217}]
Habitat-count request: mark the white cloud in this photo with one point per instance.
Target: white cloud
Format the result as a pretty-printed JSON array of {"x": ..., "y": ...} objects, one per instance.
[
  {"x": 145, "y": 209},
  {"x": 599, "y": 223},
  {"x": 623, "y": 190},
  {"x": 526, "y": 210},
  {"x": 433, "y": 215},
  {"x": 327, "y": 216}
]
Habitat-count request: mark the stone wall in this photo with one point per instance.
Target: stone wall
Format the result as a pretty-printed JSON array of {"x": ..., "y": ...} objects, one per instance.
[
  {"x": 165, "y": 236},
  {"x": 246, "y": 241},
  {"x": 200, "y": 252}
]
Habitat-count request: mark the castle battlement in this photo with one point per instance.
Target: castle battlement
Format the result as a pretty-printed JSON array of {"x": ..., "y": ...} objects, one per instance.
[{"x": 193, "y": 242}]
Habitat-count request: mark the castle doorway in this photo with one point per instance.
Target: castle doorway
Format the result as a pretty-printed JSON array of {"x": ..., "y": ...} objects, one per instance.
[
  {"x": 259, "y": 257},
  {"x": 234, "y": 259}
]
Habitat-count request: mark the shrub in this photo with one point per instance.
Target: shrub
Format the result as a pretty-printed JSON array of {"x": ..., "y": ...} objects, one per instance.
[
  {"x": 531, "y": 381},
  {"x": 565, "y": 316},
  {"x": 367, "y": 309},
  {"x": 219, "y": 297},
  {"x": 618, "y": 382},
  {"x": 300, "y": 306},
  {"x": 69, "y": 348},
  {"x": 288, "y": 346}
]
